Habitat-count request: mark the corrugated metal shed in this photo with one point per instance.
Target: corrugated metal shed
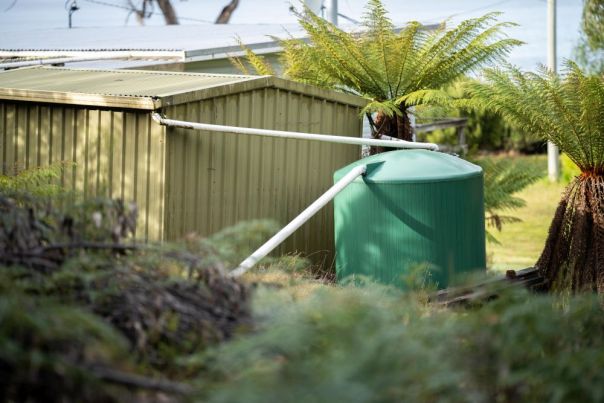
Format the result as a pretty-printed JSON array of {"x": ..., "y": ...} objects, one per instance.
[{"x": 182, "y": 180}]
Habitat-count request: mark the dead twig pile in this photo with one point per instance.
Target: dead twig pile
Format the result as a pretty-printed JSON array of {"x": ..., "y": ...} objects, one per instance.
[
  {"x": 488, "y": 290},
  {"x": 164, "y": 300}
]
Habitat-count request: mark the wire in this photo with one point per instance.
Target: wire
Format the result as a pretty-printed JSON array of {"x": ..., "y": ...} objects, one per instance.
[{"x": 150, "y": 13}]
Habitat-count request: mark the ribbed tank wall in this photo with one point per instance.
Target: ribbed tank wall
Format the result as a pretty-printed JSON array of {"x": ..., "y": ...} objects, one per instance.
[
  {"x": 428, "y": 229},
  {"x": 118, "y": 154},
  {"x": 218, "y": 179}
]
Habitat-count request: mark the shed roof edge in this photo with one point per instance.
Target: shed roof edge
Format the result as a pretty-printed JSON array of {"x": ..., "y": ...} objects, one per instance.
[{"x": 70, "y": 98}]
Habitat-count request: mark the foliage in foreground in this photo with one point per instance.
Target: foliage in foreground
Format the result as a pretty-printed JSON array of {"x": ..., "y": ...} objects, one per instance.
[
  {"x": 49, "y": 352},
  {"x": 74, "y": 286},
  {"x": 567, "y": 110},
  {"x": 103, "y": 319},
  {"x": 375, "y": 345}
]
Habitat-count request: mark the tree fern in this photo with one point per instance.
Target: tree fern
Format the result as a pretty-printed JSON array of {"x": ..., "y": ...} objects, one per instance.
[
  {"x": 569, "y": 111},
  {"x": 392, "y": 70}
]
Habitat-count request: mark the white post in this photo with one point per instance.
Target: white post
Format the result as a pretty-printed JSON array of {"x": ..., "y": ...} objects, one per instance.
[
  {"x": 298, "y": 221},
  {"x": 553, "y": 160},
  {"x": 331, "y": 11}
]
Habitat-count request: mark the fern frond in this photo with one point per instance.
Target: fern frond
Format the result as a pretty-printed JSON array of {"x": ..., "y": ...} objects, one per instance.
[
  {"x": 258, "y": 63},
  {"x": 381, "y": 65},
  {"x": 388, "y": 108},
  {"x": 437, "y": 97},
  {"x": 567, "y": 109},
  {"x": 237, "y": 62},
  {"x": 502, "y": 180}
]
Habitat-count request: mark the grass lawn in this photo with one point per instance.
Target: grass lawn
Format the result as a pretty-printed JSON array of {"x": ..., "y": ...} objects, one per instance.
[{"x": 522, "y": 242}]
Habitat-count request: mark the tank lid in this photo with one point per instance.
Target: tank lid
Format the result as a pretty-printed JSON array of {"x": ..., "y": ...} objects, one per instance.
[{"x": 412, "y": 166}]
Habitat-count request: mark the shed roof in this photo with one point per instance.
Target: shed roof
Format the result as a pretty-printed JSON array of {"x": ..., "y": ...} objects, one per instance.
[{"x": 139, "y": 89}]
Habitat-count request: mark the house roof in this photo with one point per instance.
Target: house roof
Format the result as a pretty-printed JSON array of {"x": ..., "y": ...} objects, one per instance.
[
  {"x": 139, "y": 89},
  {"x": 185, "y": 43}
]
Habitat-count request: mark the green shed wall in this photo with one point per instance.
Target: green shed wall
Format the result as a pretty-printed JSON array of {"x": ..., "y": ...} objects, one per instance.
[
  {"x": 184, "y": 180},
  {"x": 214, "y": 180},
  {"x": 117, "y": 153}
]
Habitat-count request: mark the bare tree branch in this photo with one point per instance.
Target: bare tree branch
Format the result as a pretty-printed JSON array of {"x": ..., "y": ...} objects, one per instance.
[
  {"x": 168, "y": 11},
  {"x": 227, "y": 11},
  {"x": 11, "y": 5}
]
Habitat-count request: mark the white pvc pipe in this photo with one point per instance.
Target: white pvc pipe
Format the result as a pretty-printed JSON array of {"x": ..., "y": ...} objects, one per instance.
[
  {"x": 298, "y": 221},
  {"x": 295, "y": 135}
]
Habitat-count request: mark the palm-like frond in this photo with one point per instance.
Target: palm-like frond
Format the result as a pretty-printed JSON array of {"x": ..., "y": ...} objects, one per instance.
[
  {"x": 382, "y": 65},
  {"x": 392, "y": 70},
  {"x": 255, "y": 61},
  {"x": 567, "y": 110},
  {"x": 503, "y": 179}
]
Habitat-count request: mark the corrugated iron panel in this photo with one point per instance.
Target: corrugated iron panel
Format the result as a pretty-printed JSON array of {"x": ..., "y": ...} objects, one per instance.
[
  {"x": 116, "y": 153},
  {"x": 112, "y": 82},
  {"x": 215, "y": 180},
  {"x": 134, "y": 89}
]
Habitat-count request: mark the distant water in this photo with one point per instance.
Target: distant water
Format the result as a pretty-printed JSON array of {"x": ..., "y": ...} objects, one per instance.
[{"x": 529, "y": 14}]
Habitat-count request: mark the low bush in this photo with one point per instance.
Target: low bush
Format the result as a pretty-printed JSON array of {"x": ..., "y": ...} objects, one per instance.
[
  {"x": 375, "y": 345},
  {"x": 51, "y": 352},
  {"x": 72, "y": 275}
]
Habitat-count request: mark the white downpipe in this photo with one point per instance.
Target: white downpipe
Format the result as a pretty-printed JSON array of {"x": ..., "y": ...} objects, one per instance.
[
  {"x": 295, "y": 135},
  {"x": 298, "y": 221}
]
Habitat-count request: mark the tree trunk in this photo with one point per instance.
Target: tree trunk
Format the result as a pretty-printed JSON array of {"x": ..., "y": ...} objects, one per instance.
[
  {"x": 398, "y": 126},
  {"x": 168, "y": 11},
  {"x": 226, "y": 12},
  {"x": 573, "y": 256}
]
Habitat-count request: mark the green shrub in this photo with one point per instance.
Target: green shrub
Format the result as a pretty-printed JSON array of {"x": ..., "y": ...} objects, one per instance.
[
  {"x": 48, "y": 352},
  {"x": 165, "y": 299},
  {"x": 375, "y": 345}
]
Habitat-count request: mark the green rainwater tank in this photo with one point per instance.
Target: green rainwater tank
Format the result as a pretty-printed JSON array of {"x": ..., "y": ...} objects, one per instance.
[{"x": 416, "y": 215}]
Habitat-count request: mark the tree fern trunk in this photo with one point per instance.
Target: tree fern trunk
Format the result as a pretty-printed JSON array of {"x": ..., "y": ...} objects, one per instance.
[
  {"x": 398, "y": 126},
  {"x": 573, "y": 257}
]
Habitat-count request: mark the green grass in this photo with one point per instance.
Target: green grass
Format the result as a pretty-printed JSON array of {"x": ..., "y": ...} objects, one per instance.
[{"x": 521, "y": 243}]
